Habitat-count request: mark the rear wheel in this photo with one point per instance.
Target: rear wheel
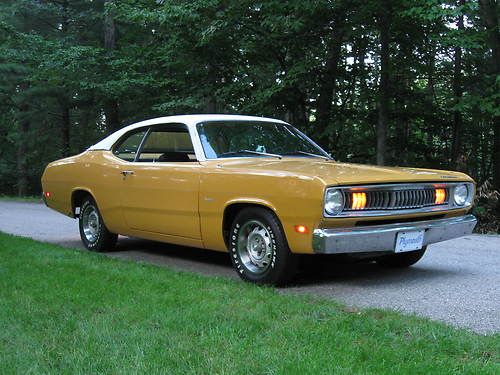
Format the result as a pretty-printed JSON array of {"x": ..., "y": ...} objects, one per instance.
[
  {"x": 94, "y": 234},
  {"x": 401, "y": 260},
  {"x": 258, "y": 248}
]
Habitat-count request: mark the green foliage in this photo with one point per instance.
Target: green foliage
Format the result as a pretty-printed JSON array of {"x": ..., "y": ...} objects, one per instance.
[{"x": 264, "y": 58}]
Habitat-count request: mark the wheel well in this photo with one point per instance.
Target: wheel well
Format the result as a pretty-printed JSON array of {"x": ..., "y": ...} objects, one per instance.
[
  {"x": 230, "y": 213},
  {"x": 77, "y": 198}
]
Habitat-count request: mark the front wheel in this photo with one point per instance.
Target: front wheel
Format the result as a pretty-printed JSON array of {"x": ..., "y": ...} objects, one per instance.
[
  {"x": 401, "y": 260},
  {"x": 258, "y": 248},
  {"x": 94, "y": 234}
]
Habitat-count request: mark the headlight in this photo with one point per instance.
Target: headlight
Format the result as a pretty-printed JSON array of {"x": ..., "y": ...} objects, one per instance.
[
  {"x": 334, "y": 201},
  {"x": 460, "y": 195}
]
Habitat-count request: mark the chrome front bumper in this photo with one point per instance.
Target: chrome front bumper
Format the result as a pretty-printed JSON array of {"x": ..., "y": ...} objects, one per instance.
[{"x": 383, "y": 237}]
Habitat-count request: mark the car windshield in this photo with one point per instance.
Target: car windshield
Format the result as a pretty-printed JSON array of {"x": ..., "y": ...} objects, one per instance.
[{"x": 222, "y": 139}]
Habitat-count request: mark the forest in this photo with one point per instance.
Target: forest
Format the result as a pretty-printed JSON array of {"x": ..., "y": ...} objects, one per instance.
[{"x": 401, "y": 82}]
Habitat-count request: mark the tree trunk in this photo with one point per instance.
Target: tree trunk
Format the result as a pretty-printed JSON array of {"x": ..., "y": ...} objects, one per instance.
[
  {"x": 456, "y": 147},
  {"x": 65, "y": 125},
  {"x": 84, "y": 130},
  {"x": 65, "y": 18},
  {"x": 22, "y": 147},
  {"x": 489, "y": 14},
  {"x": 383, "y": 107},
  {"x": 327, "y": 84},
  {"x": 112, "y": 113},
  {"x": 402, "y": 125},
  {"x": 109, "y": 25},
  {"x": 211, "y": 104},
  {"x": 296, "y": 111},
  {"x": 496, "y": 155},
  {"x": 63, "y": 101},
  {"x": 402, "y": 102},
  {"x": 111, "y": 107}
]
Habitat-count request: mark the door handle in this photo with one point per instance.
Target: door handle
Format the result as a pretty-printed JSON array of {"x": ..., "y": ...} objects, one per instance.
[{"x": 126, "y": 173}]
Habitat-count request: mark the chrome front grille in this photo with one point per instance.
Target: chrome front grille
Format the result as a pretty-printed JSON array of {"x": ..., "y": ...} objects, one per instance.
[{"x": 395, "y": 198}]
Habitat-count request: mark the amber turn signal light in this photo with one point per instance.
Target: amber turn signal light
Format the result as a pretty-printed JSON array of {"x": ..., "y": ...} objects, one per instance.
[
  {"x": 358, "y": 201},
  {"x": 300, "y": 229},
  {"x": 440, "y": 196}
]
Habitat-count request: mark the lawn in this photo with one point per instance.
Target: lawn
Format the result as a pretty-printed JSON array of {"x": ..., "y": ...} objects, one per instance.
[
  {"x": 69, "y": 311},
  {"x": 21, "y": 199}
]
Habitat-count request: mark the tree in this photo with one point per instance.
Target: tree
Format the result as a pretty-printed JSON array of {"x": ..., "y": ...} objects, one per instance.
[
  {"x": 383, "y": 103},
  {"x": 329, "y": 76},
  {"x": 456, "y": 151},
  {"x": 394, "y": 82},
  {"x": 110, "y": 104},
  {"x": 489, "y": 14}
]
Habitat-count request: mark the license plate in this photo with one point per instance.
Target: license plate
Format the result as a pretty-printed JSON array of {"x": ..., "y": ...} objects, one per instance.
[{"x": 409, "y": 241}]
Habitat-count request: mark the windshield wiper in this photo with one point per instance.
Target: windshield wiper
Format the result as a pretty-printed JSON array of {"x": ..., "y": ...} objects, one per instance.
[
  {"x": 310, "y": 154},
  {"x": 262, "y": 153},
  {"x": 250, "y": 152}
]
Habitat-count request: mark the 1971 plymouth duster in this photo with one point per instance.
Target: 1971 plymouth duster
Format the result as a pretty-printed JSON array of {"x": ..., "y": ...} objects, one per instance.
[{"x": 257, "y": 188}]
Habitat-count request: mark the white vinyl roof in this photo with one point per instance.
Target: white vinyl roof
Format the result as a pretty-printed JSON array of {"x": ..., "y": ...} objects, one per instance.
[{"x": 189, "y": 120}]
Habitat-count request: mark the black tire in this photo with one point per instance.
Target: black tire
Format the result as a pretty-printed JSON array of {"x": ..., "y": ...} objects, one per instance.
[
  {"x": 272, "y": 263},
  {"x": 401, "y": 260},
  {"x": 95, "y": 237}
]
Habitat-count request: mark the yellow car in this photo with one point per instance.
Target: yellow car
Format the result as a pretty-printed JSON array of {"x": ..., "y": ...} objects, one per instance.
[{"x": 257, "y": 188}]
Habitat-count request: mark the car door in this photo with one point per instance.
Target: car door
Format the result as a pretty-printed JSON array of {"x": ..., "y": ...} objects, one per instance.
[{"x": 159, "y": 190}]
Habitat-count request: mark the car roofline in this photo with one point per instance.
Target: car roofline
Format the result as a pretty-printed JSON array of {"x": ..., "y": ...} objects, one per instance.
[{"x": 189, "y": 120}]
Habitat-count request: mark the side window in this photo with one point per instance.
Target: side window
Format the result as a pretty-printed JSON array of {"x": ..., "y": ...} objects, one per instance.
[
  {"x": 168, "y": 143},
  {"x": 127, "y": 148}
]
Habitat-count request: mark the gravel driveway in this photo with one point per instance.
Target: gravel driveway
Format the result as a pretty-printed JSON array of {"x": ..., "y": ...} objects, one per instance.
[{"x": 457, "y": 282}]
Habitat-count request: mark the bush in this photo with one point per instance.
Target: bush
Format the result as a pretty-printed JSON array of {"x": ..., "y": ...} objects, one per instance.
[{"x": 487, "y": 209}]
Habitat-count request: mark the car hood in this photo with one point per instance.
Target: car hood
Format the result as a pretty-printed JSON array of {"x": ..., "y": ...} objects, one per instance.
[{"x": 336, "y": 173}]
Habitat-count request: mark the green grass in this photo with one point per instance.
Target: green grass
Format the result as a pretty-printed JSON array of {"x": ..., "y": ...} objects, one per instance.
[
  {"x": 70, "y": 311},
  {"x": 20, "y": 199}
]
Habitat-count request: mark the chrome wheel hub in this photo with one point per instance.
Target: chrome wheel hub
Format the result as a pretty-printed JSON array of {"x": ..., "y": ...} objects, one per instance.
[
  {"x": 90, "y": 223},
  {"x": 254, "y": 246}
]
